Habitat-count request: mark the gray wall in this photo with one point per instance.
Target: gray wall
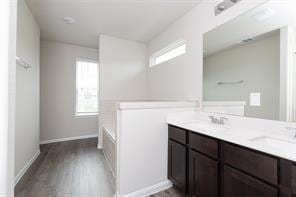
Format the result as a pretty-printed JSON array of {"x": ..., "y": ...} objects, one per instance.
[
  {"x": 58, "y": 71},
  {"x": 122, "y": 69},
  {"x": 27, "y": 89},
  {"x": 258, "y": 64}
]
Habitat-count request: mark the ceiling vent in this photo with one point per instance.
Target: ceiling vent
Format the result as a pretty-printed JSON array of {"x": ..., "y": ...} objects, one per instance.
[{"x": 69, "y": 20}]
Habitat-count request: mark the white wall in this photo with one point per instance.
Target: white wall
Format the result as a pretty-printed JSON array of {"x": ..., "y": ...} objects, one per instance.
[
  {"x": 122, "y": 75},
  {"x": 122, "y": 69},
  {"x": 8, "y": 9},
  {"x": 258, "y": 64},
  {"x": 27, "y": 89},
  {"x": 142, "y": 146},
  {"x": 184, "y": 73},
  {"x": 58, "y": 73}
]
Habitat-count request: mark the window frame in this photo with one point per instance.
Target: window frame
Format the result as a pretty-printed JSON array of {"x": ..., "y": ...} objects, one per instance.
[
  {"x": 167, "y": 49},
  {"x": 86, "y": 114}
]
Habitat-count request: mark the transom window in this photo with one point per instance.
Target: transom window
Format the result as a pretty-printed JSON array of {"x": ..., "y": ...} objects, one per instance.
[
  {"x": 86, "y": 87},
  {"x": 174, "y": 50}
]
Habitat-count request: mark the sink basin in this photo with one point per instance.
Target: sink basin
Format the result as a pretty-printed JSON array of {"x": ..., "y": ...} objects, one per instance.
[{"x": 275, "y": 143}]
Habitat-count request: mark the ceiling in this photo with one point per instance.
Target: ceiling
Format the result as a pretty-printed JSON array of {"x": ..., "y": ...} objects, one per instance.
[
  {"x": 138, "y": 20},
  {"x": 276, "y": 14}
]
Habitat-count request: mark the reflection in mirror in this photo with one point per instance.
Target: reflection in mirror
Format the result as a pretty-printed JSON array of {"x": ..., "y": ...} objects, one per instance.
[{"x": 249, "y": 64}]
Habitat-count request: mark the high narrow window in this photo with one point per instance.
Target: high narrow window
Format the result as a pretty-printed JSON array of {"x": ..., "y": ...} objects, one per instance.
[
  {"x": 174, "y": 50},
  {"x": 86, "y": 87}
]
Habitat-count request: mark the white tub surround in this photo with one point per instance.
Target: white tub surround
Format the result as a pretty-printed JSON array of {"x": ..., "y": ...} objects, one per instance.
[
  {"x": 107, "y": 120},
  {"x": 107, "y": 133},
  {"x": 141, "y": 137},
  {"x": 109, "y": 150},
  {"x": 267, "y": 136},
  {"x": 225, "y": 107}
]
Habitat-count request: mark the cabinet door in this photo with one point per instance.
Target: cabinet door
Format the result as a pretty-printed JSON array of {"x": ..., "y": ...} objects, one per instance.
[
  {"x": 203, "y": 175},
  {"x": 287, "y": 179},
  {"x": 177, "y": 165},
  {"x": 293, "y": 180},
  {"x": 239, "y": 184}
]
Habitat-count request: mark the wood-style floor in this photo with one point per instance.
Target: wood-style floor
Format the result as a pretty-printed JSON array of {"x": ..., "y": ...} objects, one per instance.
[
  {"x": 71, "y": 169},
  {"x": 68, "y": 169}
]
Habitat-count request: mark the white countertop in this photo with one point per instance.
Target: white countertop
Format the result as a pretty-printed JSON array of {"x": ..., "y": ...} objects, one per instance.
[{"x": 271, "y": 143}]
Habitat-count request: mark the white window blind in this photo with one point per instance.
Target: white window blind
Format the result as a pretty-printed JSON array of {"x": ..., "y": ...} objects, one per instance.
[{"x": 86, "y": 87}]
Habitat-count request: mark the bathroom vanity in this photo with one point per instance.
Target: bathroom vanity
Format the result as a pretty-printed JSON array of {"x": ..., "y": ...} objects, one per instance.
[
  {"x": 246, "y": 61},
  {"x": 205, "y": 166},
  {"x": 249, "y": 82}
]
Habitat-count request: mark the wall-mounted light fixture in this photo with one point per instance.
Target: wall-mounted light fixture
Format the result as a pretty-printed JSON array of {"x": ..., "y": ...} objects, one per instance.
[{"x": 224, "y": 5}]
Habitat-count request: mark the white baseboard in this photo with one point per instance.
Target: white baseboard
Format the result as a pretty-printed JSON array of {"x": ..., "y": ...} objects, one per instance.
[
  {"x": 149, "y": 190},
  {"x": 69, "y": 139},
  {"x": 100, "y": 146},
  {"x": 21, "y": 173}
]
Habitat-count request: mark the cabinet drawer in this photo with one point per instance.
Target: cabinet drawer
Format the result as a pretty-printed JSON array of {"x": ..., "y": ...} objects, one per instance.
[
  {"x": 204, "y": 144},
  {"x": 240, "y": 184},
  {"x": 177, "y": 134},
  {"x": 256, "y": 164}
]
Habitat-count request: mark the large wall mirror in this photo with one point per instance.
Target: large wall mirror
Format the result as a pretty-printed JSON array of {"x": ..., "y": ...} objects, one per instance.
[{"x": 249, "y": 64}]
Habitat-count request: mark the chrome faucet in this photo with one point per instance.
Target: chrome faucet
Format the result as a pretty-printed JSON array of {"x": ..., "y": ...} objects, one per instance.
[
  {"x": 218, "y": 121},
  {"x": 292, "y": 129}
]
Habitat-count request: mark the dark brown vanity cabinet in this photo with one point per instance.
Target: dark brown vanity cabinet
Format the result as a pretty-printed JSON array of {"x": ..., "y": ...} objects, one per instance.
[
  {"x": 202, "y": 166},
  {"x": 293, "y": 180},
  {"x": 254, "y": 163},
  {"x": 203, "y": 175},
  {"x": 237, "y": 183},
  {"x": 176, "y": 165},
  {"x": 287, "y": 178}
]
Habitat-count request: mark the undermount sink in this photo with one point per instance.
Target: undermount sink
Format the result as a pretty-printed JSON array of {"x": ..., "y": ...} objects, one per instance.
[{"x": 280, "y": 144}]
